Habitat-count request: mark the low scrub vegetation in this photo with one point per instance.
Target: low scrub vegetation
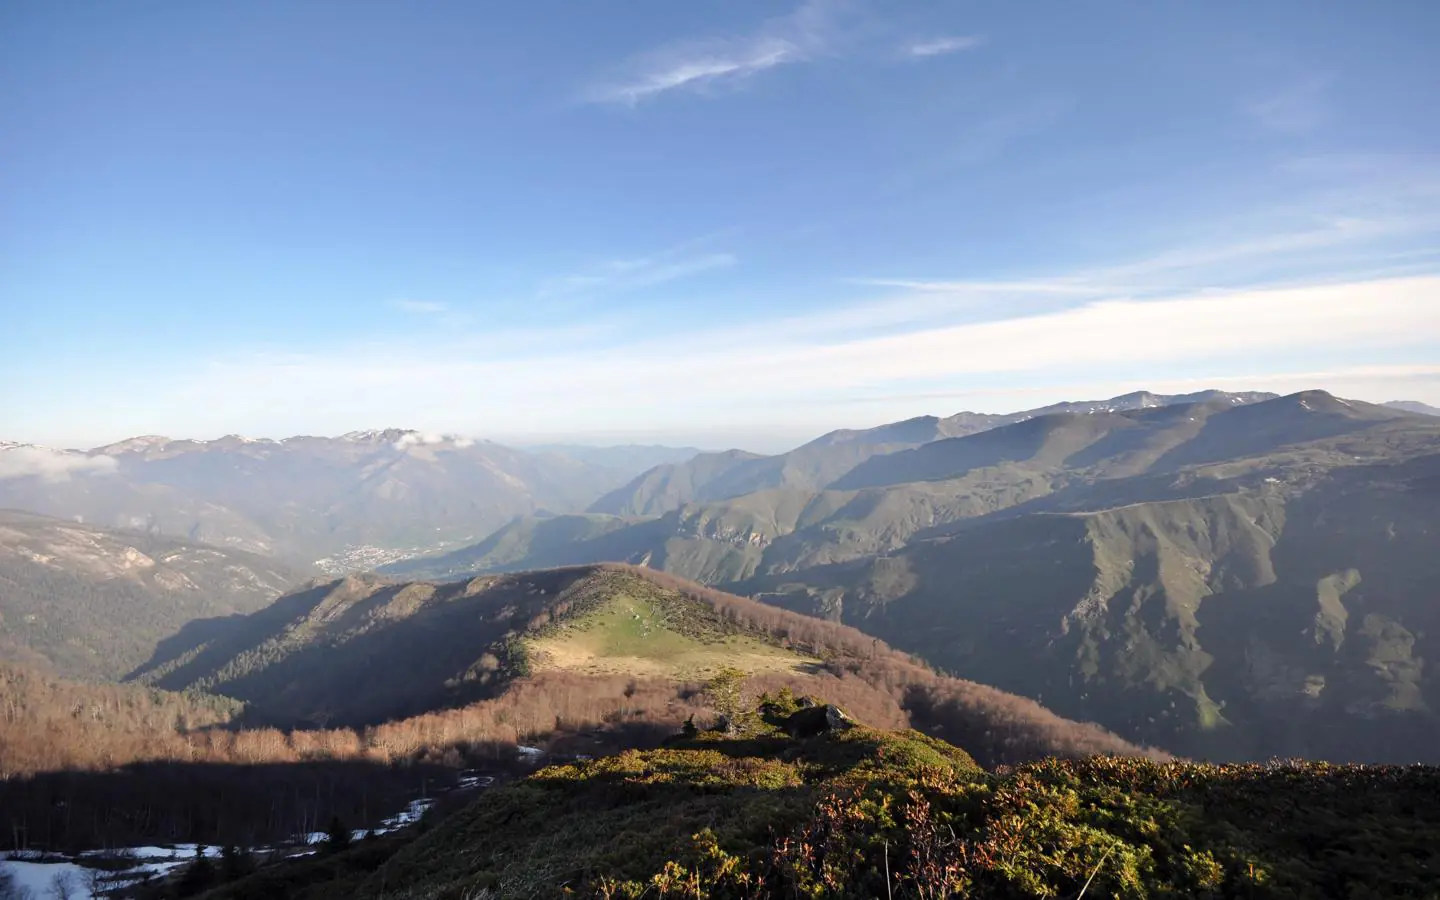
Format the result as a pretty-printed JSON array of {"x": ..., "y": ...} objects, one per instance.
[{"x": 858, "y": 812}]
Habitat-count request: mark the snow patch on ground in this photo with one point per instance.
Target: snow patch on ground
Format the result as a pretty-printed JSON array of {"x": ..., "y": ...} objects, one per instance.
[
  {"x": 43, "y": 879},
  {"x": 36, "y": 873}
]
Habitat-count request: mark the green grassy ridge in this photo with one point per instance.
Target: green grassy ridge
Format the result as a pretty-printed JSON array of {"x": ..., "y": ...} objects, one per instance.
[
  {"x": 864, "y": 813},
  {"x": 587, "y": 601},
  {"x": 366, "y": 649},
  {"x": 617, "y": 618}
]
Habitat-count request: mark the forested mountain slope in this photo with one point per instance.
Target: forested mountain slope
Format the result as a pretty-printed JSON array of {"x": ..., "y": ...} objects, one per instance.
[
  {"x": 364, "y": 650},
  {"x": 94, "y": 602},
  {"x": 1295, "y": 619},
  {"x": 587, "y": 661}
]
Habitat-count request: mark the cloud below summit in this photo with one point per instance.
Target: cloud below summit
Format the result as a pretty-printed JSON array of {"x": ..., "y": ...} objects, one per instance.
[{"x": 51, "y": 465}]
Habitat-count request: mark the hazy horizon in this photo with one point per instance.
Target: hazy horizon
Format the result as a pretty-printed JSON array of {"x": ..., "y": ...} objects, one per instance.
[{"x": 767, "y": 442}]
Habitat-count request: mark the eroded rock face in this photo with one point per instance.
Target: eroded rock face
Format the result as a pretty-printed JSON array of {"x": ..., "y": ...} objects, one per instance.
[{"x": 818, "y": 720}]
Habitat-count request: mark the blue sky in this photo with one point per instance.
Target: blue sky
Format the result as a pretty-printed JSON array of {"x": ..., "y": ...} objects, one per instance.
[{"x": 716, "y": 223}]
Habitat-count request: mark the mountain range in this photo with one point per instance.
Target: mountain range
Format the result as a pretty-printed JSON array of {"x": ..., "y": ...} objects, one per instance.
[
  {"x": 334, "y": 503},
  {"x": 817, "y": 464},
  {"x": 1120, "y": 451},
  {"x": 1233, "y": 577},
  {"x": 1224, "y": 575}
]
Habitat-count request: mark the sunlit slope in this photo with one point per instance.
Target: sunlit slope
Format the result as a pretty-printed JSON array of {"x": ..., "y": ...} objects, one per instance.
[{"x": 635, "y": 628}]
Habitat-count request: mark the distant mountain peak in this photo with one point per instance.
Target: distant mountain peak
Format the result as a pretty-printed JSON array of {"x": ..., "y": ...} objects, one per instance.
[
  {"x": 1138, "y": 400},
  {"x": 1413, "y": 406},
  {"x": 1318, "y": 401},
  {"x": 402, "y": 438},
  {"x": 377, "y": 435},
  {"x": 138, "y": 444},
  {"x": 239, "y": 439}
]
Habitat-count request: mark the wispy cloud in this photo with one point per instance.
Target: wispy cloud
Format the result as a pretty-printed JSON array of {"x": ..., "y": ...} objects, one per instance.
[
  {"x": 978, "y": 142},
  {"x": 695, "y": 66},
  {"x": 1358, "y": 248},
  {"x": 620, "y": 275},
  {"x": 1197, "y": 267},
  {"x": 701, "y": 64},
  {"x": 942, "y": 45},
  {"x": 420, "y": 307},
  {"x": 1296, "y": 107}
]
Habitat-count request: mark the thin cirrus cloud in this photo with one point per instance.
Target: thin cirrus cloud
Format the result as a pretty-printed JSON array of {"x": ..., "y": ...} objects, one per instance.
[
  {"x": 1192, "y": 267},
  {"x": 1297, "y": 107},
  {"x": 703, "y": 64},
  {"x": 421, "y": 307},
  {"x": 694, "y": 66},
  {"x": 817, "y": 28},
  {"x": 942, "y": 45},
  {"x": 633, "y": 274}
]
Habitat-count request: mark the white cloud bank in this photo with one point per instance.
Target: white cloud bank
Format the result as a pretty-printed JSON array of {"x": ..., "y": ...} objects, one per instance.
[
  {"x": 25, "y": 461},
  {"x": 427, "y": 438}
]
